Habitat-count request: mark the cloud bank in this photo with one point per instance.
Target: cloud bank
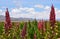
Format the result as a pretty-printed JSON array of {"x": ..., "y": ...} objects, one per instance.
[{"x": 26, "y": 12}]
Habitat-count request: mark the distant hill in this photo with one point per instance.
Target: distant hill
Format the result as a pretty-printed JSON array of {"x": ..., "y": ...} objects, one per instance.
[{"x": 2, "y": 18}]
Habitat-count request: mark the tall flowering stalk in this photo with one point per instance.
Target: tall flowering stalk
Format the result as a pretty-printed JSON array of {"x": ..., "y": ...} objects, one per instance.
[
  {"x": 41, "y": 27},
  {"x": 8, "y": 23},
  {"x": 23, "y": 33},
  {"x": 52, "y": 21}
]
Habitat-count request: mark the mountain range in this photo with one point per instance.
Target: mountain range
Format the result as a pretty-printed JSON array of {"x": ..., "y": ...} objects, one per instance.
[{"x": 2, "y": 18}]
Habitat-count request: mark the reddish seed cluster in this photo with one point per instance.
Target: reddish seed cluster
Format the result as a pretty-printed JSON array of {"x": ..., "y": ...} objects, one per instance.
[
  {"x": 52, "y": 16},
  {"x": 8, "y": 23},
  {"x": 23, "y": 33},
  {"x": 40, "y": 24}
]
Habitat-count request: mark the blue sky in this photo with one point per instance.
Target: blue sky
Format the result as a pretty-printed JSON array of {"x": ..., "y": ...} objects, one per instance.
[{"x": 39, "y": 9}]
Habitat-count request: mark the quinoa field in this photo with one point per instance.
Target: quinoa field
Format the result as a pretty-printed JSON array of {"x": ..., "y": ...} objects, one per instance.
[{"x": 29, "y": 30}]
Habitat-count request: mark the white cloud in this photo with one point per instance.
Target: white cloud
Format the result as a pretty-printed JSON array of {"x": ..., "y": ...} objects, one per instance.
[
  {"x": 22, "y": 12},
  {"x": 39, "y": 6},
  {"x": 47, "y": 8},
  {"x": 29, "y": 13},
  {"x": 1, "y": 12},
  {"x": 43, "y": 7}
]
